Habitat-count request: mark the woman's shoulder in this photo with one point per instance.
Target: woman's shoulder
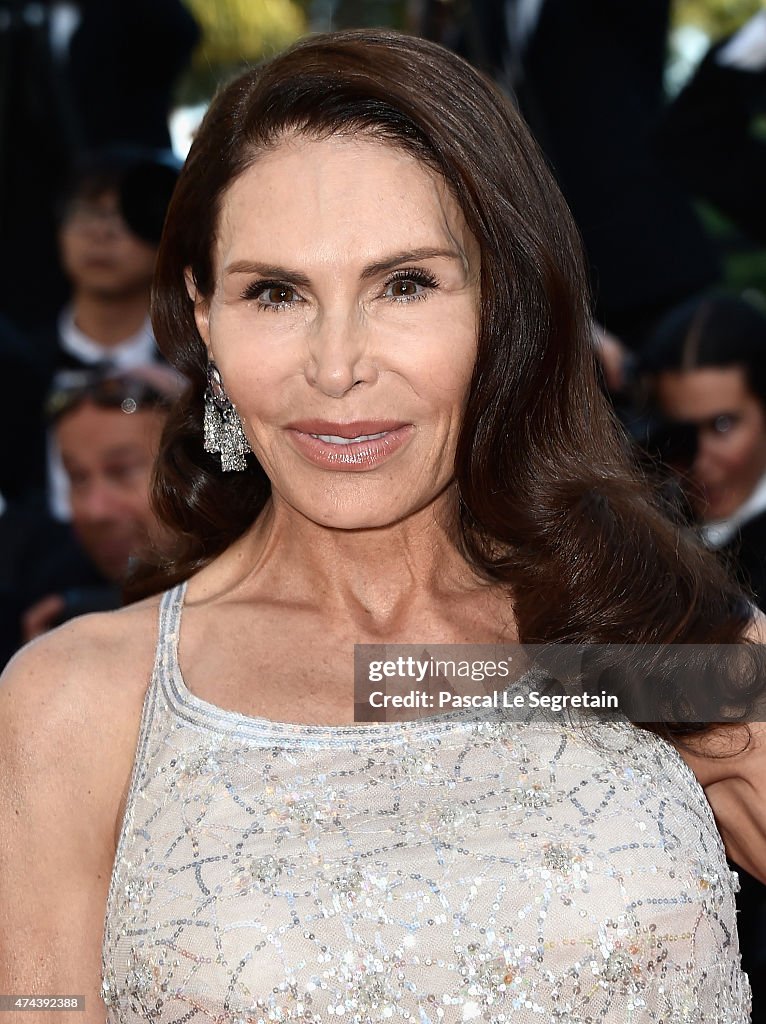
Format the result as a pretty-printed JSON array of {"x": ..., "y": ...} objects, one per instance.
[
  {"x": 71, "y": 700},
  {"x": 70, "y": 712},
  {"x": 89, "y": 651}
]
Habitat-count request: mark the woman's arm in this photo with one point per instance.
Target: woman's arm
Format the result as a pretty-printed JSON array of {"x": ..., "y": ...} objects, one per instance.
[
  {"x": 734, "y": 780},
  {"x": 58, "y": 791}
]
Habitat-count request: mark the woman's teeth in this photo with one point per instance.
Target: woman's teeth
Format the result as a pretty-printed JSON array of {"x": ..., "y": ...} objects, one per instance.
[{"x": 334, "y": 439}]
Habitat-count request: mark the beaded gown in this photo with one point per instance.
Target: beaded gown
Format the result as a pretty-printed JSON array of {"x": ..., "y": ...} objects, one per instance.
[{"x": 432, "y": 872}]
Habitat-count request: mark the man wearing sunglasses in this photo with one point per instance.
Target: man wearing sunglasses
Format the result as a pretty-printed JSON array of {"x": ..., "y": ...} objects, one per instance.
[{"x": 107, "y": 429}]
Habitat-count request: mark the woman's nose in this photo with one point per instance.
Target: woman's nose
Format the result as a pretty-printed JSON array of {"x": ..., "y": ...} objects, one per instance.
[{"x": 339, "y": 354}]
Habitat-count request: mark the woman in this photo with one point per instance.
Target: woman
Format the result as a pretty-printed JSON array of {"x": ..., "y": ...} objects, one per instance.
[
  {"x": 705, "y": 362},
  {"x": 372, "y": 282}
]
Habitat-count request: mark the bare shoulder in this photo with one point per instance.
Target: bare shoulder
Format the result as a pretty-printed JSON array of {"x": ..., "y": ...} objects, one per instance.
[
  {"x": 70, "y": 709},
  {"x": 89, "y": 659},
  {"x": 75, "y": 694}
]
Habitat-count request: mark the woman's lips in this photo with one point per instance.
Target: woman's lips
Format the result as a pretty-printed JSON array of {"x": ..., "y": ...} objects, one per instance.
[{"x": 351, "y": 447}]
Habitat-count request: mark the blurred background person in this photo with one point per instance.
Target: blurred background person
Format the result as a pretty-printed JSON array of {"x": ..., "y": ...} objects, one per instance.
[
  {"x": 109, "y": 263},
  {"x": 706, "y": 366},
  {"x": 588, "y": 77},
  {"x": 706, "y": 363},
  {"x": 111, "y": 219},
  {"x": 108, "y": 429},
  {"x": 110, "y": 223},
  {"x": 710, "y": 135},
  {"x": 74, "y": 76}
]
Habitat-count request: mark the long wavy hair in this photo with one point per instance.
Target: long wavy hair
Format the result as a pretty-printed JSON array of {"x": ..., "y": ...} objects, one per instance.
[{"x": 551, "y": 502}]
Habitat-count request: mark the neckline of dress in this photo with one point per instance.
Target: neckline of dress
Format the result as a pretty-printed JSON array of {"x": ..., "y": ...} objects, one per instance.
[{"x": 199, "y": 711}]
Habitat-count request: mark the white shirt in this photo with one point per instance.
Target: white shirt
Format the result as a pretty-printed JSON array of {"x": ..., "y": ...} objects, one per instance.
[
  {"x": 137, "y": 350},
  {"x": 718, "y": 532}
]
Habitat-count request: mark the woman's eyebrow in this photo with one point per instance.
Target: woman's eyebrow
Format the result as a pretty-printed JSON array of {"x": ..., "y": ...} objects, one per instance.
[
  {"x": 270, "y": 270},
  {"x": 267, "y": 270},
  {"x": 408, "y": 256}
]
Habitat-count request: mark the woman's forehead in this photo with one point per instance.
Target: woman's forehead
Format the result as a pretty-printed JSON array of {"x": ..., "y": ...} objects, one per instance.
[{"x": 342, "y": 195}]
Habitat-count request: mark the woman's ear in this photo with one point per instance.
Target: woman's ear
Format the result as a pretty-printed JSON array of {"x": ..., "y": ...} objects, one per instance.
[{"x": 201, "y": 307}]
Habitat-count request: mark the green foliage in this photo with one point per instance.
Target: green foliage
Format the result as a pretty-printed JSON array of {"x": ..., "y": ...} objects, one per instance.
[
  {"x": 235, "y": 34},
  {"x": 716, "y": 18},
  {"x": 239, "y": 33},
  {"x": 245, "y": 30},
  {"x": 744, "y": 260}
]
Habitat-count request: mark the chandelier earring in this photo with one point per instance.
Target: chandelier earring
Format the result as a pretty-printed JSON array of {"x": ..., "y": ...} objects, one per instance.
[{"x": 223, "y": 433}]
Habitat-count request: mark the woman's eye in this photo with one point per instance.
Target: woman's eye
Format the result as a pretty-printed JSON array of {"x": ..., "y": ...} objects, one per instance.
[
  {"x": 278, "y": 296},
  {"x": 272, "y": 294},
  {"x": 409, "y": 285},
  {"x": 403, "y": 289}
]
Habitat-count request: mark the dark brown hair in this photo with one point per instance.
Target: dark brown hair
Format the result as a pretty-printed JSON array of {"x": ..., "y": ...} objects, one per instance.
[{"x": 551, "y": 503}]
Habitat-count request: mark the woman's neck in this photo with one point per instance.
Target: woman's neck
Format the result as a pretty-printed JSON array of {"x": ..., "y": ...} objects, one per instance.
[{"x": 371, "y": 576}]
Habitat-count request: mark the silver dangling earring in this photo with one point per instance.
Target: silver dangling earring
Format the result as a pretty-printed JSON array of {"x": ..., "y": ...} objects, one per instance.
[{"x": 223, "y": 433}]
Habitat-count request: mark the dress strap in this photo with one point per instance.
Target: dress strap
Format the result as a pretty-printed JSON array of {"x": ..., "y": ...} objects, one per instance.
[{"x": 171, "y": 606}]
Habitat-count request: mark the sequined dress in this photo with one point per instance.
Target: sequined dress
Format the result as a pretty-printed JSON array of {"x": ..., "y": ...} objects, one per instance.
[{"x": 431, "y": 872}]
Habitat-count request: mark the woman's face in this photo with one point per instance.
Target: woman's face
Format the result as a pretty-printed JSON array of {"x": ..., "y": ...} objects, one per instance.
[
  {"x": 731, "y": 426},
  {"x": 344, "y": 324}
]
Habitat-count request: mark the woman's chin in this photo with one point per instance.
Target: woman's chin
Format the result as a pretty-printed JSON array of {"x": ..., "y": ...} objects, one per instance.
[
  {"x": 361, "y": 508},
  {"x": 356, "y": 512},
  {"x": 355, "y": 518}
]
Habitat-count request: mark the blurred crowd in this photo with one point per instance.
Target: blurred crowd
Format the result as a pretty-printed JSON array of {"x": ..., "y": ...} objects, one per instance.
[{"x": 86, "y": 173}]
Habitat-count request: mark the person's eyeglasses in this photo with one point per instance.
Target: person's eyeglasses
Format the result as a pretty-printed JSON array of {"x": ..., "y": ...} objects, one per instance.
[{"x": 125, "y": 392}]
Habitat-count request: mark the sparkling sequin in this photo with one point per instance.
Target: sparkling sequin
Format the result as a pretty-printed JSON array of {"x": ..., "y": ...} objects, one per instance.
[
  {"x": 349, "y": 884},
  {"x": 558, "y": 857},
  {"x": 422, "y": 873}
]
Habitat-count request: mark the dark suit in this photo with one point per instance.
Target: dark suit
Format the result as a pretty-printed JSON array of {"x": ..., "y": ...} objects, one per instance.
[
  {"x": 593, "y": 89},
  {"x": 590, "y": 84},
  {"x": 746, "y": 553},
  {"x": 709, "y": 142},
  {"x": 124, "y": 60}
]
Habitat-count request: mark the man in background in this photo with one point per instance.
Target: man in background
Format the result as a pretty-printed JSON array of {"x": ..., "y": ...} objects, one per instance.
[{"x": 107, "y": 428}]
